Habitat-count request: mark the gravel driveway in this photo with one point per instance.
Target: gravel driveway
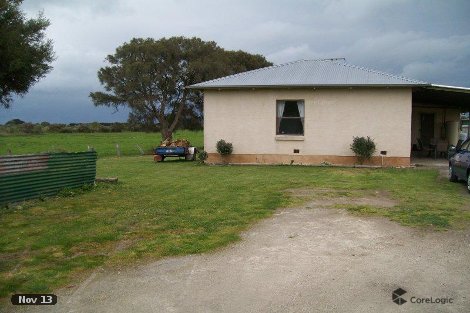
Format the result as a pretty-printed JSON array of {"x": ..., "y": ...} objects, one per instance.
[{"x": 309, "y": 259}]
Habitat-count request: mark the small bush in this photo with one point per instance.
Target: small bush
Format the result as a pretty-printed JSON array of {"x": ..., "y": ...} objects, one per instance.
[
  {"x": 202, "y": 156},
  {"x": 363, "y": 148},
  {"x": 224, "y": 148}
]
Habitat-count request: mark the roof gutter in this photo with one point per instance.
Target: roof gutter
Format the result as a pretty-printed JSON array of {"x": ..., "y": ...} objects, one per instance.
[
  {"x": 304, "y": 86},
  {"x": 449, "y": 88}
]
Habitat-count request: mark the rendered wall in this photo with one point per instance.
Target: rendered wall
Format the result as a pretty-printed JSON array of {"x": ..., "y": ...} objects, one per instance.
[{"x": 247, "y": 118}]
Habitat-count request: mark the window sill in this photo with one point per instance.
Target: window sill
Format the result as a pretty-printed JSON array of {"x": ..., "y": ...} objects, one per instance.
[{"x": 289, "y": 138}]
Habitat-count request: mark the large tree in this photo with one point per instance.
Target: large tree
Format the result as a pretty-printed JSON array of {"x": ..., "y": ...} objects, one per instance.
[
  {"x": 149, "y": 77},
  {"x": 25, "y": 53}
]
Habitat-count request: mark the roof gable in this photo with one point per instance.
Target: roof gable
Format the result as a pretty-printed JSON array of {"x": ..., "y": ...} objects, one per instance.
[{"x": 322, "y": 73}]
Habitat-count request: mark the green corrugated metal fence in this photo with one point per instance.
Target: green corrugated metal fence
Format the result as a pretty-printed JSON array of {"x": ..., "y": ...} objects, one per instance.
[{"x": 25, "y": 177}]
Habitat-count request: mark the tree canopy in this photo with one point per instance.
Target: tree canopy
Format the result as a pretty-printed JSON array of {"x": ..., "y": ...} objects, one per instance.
[
  {"x": 25, "y": 53},
  {"x": 149, "y": 77}
]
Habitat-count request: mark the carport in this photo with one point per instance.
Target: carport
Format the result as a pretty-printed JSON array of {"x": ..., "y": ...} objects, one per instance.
[{"x": 435, "y": 121}]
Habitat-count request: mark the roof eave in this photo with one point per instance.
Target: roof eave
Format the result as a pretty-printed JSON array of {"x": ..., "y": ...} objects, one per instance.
[
  {"x": 449, "y": 88},
  {"x": 411, "y": 85}
]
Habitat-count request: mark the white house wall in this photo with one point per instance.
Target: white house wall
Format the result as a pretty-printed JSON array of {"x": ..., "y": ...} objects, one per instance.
[{"x": 247, "y": 118}]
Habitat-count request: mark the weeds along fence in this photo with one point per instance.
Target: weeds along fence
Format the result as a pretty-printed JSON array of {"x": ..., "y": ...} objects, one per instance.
[{"x": 24, "y": 177}]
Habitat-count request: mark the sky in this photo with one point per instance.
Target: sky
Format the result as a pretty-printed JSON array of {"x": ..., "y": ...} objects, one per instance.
[{"x": 422, "y": 39}]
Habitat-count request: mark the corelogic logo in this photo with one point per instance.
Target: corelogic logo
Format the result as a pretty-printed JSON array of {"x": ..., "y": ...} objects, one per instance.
[{"x": 396, "y": 296}]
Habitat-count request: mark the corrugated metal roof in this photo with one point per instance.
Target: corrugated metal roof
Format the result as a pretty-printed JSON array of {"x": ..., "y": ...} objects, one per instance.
[{"x": 325, "y": 73}]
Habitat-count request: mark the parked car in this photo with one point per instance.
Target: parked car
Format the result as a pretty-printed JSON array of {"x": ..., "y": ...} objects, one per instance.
[{"x": 459, "y": 163}]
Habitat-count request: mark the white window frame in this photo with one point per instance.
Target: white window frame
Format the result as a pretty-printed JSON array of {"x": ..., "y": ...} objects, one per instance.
[{"x": 280, "y": 110}]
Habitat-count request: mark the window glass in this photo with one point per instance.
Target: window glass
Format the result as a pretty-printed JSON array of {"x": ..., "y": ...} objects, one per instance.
[
  {"x": 291, "y": 109},
  {"x": 465, "y": 145},
  {"x": 290, "y": 117}
]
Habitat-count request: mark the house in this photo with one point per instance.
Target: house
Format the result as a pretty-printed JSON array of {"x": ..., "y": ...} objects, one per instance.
[{"x": 308, "y": 111}]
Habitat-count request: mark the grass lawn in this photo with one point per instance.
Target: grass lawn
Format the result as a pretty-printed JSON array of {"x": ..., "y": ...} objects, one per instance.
[
  {"x": 175, "y": 208},
  {"x": 103, "y": 143}
]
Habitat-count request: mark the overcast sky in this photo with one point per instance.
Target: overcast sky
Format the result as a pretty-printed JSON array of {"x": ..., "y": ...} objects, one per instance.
[{"x": 426, "y": 40}]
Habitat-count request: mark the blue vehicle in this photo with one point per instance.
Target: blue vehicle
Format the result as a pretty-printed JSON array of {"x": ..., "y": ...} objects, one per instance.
[
  {"x": 459, "y": 163},
  {"x": 185, "y": 152}
]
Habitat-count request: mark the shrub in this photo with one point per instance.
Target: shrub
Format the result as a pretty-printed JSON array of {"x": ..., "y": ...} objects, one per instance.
[
  {"x": 117, "y": 128},
  {"x": 83, "y": 128},
  {"x": 12, "y": 129},
  {"x": 27, "y": 128},
  {"x": 104, "y": 129},
  {"x": 202, "y": 156},
  {"x": 95, "y": 127},
  {"x": 37, "y": 129},
  {"x": 363, "y": 148},
  {"x": 223, "y": 147},
  {"x": 67, "y": 129},
  {"x": 56, "y": 128}
]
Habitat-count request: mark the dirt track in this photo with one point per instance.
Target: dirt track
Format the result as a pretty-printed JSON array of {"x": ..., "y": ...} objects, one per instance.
[{"x": 310, "y": 259}]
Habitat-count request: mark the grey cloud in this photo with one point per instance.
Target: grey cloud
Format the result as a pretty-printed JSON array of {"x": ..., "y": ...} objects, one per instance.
[
  {"x": 422, "y": 39},
  {"x": 60, "y": 106}
]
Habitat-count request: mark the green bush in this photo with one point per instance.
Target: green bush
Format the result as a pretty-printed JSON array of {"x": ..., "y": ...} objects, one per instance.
[
  {"x": 56, "y": 128},
  {"x": 95, "y": 127},
  {"x": 27, "y": 128},
  {"x": 117, "y": 127},
  {"x": 67, "y": 130},
  {"x": 37, "y": 129},
  {"x": 224, "y": 148},
  {"x": 104, "y": 129},
  {"x": 363, "y": 148},
  {"x": 202, "y": 156},
  {"x": 83, "y": 128}
]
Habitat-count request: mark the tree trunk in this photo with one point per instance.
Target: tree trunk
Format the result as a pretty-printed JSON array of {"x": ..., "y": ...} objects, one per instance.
[{"x": 165, "y": 131}]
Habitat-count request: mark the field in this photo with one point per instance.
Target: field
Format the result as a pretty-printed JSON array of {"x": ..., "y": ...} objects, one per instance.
[
  {"x": 103, "y": 143},
  {"x": 175, "y": 208}
]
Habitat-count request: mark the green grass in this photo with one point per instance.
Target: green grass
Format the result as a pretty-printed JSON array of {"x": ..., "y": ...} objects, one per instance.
[
  {"x": 103, "y": 143},
  {"x": 176, "y": 208}
]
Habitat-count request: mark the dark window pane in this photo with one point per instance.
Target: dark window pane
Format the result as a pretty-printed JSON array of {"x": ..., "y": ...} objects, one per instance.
[
  {"x": 291, "y": 109},
  {"x": 291, "y": 126}
]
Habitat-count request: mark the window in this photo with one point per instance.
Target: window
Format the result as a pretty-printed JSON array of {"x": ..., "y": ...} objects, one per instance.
[
  {"x": 290, "y": 117},
  {"x": 465, "y": 145}
]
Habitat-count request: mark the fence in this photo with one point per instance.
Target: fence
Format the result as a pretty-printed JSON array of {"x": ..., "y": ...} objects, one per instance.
[{"x": 25, "y": 177}]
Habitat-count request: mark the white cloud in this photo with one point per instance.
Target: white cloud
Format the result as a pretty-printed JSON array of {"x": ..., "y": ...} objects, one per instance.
[{"x": 293, "y": 53}]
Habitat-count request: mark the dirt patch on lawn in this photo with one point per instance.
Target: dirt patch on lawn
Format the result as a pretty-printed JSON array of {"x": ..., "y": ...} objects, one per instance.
[{"x": 322, "y": 197}]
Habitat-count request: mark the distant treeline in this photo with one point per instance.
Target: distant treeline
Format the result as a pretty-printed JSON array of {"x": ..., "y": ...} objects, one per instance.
[{"x": 17, "y": 126}]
